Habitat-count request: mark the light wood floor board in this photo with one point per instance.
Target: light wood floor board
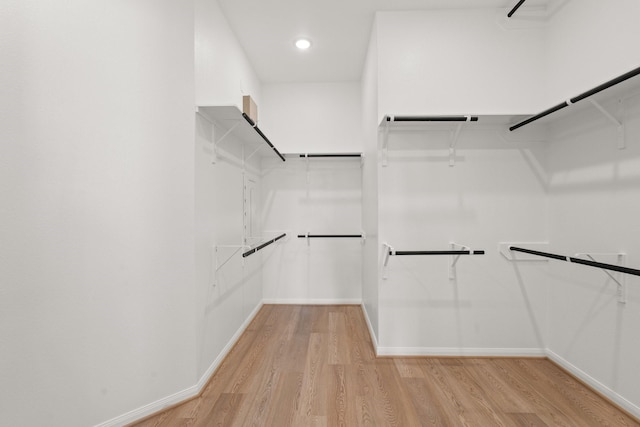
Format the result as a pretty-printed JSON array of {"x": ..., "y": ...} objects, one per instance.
[{"x": 315, "y": 366}]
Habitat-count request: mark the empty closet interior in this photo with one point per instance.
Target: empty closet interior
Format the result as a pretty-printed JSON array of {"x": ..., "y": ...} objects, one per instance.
[{"x": 474, "y": 187}]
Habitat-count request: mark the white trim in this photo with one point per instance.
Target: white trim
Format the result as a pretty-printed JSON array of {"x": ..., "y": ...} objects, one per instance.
[
  {"x": 204, "y": 379},
  {"x": 595, "y": 384},
  {"x": 151, "y": 408},
  {"x": 374, "y": 339},
  {"x": 313, "y": 301},
  {"x": 182, "y": 396},
  {"x": 461, "y": 352}
]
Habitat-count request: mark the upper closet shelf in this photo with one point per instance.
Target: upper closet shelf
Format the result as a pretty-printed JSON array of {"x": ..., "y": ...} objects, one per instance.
[
  {"x": 454, "y": 124},
  {"x": 619, "y": 88},
  {"x": 445, "y": 121},
  {"x": 232, "y": 120}
]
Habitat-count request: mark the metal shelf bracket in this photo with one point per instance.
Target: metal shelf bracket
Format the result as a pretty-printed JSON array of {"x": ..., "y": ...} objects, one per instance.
[
  {"x": 619, "y": 125},
  {"x": 618, "y": 278}
]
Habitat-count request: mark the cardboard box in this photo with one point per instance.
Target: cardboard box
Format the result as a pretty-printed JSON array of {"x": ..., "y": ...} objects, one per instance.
[{"x": 249, "y": 108}]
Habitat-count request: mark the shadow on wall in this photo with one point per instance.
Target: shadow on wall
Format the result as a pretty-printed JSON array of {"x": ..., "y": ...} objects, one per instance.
[{"x": 224, "y": 288}]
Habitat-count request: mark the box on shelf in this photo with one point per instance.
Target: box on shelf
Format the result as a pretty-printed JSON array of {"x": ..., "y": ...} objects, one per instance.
[{"x": 249, "y": 108}]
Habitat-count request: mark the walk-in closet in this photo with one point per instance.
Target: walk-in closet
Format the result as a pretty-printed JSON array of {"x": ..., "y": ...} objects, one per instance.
[{"x": 321, "y": 213}]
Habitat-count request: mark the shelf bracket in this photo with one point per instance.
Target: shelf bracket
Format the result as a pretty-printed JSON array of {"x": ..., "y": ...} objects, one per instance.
[
  {"x": 619, "y": 125},
  {"x": 620, "y": 280},
  {"x": 254, "y": 152},
  {"x": 227, "y": 133},
  {"x": 217, "y": 266},
  {"x": 454, "y": 142},
  {"x": 388, "y": 250},
  {"x": 454, "y": 259},
  {"x": 385, "y": 145}
]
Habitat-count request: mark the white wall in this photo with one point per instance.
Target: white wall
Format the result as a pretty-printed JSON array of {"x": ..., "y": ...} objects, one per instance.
[
  {"x": 589, "y": 42},
  {"x": 224, "y": 301},
  {"x": 223, "y": 75},
  {"x": 457, "y": 62},
  {"x": 594, "y": 193},
  {"x": 96, "y": 219},
  {"x": 312, "y": 117},
  {"x": 492, "y": 194},
  {"x": 323, "y": 198},
  {"x": 223, "y": 72},
  {"x": 370, "y": 253}
]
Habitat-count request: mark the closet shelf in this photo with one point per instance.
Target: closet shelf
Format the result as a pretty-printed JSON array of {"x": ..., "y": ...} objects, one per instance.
[
  {"x": 618, "y": 87},
  {"x": 232, "y": 120},
  {"x": 455, "y": 124},
  {"x": 438, "y": 122}
]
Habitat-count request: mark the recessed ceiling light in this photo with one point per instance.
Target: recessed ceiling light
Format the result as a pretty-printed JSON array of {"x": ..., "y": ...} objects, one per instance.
[{"x": 303, "y": 44}]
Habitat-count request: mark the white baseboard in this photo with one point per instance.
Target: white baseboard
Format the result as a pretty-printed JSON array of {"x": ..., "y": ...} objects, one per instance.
[
  {"x": 461, "y": 352},
  {"x": 186, "y": 394},
  {"x": 374, "y": 339},
  {"x": 194, "y": 390},
  {"x": 596, "y": 385},
  {"x": 313, "y": 301},
  {"x": 204, "y": 379}
]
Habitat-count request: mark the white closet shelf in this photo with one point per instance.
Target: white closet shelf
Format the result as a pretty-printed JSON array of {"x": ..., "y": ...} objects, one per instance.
[
  {"x": 436, "y": 122},
  {"x": 620, "y": 88},
  {"x": 232, "y": 120}
]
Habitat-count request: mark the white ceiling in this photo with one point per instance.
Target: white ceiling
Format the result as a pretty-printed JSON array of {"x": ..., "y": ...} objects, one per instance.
[{"x": 338, "y": 29}]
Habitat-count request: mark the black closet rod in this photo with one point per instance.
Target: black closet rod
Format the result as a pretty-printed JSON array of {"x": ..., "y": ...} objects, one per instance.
[
  {"x": 436, "y": 253},
  {"x": 578, "y": 98},
  {"x": 589, "y": 263},
  {"x": 329, "y": 236},
  {"x": 432, "y": 119},
  {"x": 332, "y": 155},
  {"x": 264, "y": 245},
  {"x": 515, "y": 8},
  {"x": 257, "y": 129}
]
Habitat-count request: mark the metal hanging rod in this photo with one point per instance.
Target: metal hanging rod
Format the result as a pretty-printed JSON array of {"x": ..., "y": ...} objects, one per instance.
[
  {"x": 515, "y": 8},
  {"x": 578, "y": 98},
  {"x": 452, "y": 252},
  {"x": 586, "y": 262},
  {"x": 264, "y": 245},
  {"x": 432, "y": 118},
  {"x": 257, "y": 129},
  {"x": 329, "y": 236},
  {"x": 329, "y": 155}
]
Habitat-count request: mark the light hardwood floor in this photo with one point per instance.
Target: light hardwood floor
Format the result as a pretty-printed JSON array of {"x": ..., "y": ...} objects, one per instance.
[{"x": 315, "y": 366}]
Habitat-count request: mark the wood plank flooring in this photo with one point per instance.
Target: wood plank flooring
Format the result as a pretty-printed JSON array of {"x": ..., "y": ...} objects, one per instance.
[{"x": 315, "y": 366}]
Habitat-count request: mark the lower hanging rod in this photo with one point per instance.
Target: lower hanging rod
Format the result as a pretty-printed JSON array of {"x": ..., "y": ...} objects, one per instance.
[
  {"x": 329, "y": 236},
  {"x": 453, "y": 252},
  {"x": 264, "y": 245},
  {"x": 319, "y": 155},
  {"x": 432, "y": 118},
  {"x": 589, "y": 263}
]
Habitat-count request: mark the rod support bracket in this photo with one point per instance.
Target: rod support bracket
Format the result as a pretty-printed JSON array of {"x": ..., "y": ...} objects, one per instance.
[
  {"x": 618, "y": 278},
  {"x": 455, "y": 258},
  {"x": 454, "y": 142},
  {"x": 385, "y": 141},
  {"x": 617, "y": 123},
  {"x": 388, "y": 251}
]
